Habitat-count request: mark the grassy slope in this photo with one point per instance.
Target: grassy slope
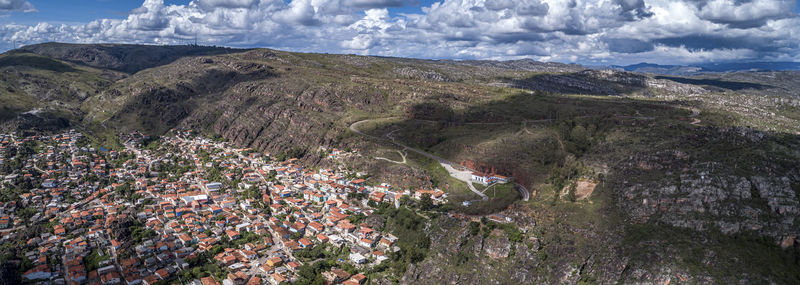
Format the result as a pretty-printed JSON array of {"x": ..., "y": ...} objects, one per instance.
[
  {"x": 573, "y": 231},
  {"x": 32, "y": 81}
]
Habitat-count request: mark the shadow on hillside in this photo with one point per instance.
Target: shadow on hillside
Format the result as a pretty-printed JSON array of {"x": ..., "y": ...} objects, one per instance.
[
  {"x": 34, "y": 61},
  {"x": 730, "y": 85},
  {"x": 590, "y": 82},
  {"x": 123, "y": 57},
  {"x": 502, "y": 135},
  {"x": 631, "y": 142},
  {"x": 543, "y": 138},
  {"x": 161, "y": 108}
]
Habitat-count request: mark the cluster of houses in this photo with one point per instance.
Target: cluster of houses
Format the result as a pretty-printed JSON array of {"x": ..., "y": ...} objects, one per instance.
[{"x": 143, "y": 216}]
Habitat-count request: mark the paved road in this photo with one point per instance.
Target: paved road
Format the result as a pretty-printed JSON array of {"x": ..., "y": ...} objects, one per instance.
[
  {"x": 465, "y": 175},
  {"x": 12, "y": 229}
]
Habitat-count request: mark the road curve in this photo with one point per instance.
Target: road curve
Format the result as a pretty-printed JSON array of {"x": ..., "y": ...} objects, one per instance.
[{"x": 448, "y": 165}]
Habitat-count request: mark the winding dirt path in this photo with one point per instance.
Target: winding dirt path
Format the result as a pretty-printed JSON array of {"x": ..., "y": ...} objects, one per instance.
[
  {"x": 463, "y": 175},
  {"x": 394, "y": 161},
  {"x": 695, "y": 120}
]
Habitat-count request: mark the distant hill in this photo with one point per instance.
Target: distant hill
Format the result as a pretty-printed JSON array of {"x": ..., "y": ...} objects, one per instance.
[
  {"x": 709, "y": 67},
  {"x": 125, "y": 58}
]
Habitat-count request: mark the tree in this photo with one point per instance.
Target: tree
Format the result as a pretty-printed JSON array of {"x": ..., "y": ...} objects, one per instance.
[
  {"x": 579, "y": 140},
  {"x": 571, "y": 192},
  {"x": 405, "y": 200},
  {"x": 474, "y": 228},
  {"x": 426, "y": 203}
]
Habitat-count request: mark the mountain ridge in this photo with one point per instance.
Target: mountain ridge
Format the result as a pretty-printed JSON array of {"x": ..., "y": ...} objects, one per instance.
[{"x": 709, "y": 67}]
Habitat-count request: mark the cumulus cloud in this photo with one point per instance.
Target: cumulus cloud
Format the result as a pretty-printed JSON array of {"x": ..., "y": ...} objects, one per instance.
[
  {"x": 16, "y": 5},
  {"x": 586, "y": 31},
  {"x": 213, "y": 4},
  {"x": 745, "y": 14},
  {"x": 369, "y": 4},
  {"x": 299, "y": 12}
]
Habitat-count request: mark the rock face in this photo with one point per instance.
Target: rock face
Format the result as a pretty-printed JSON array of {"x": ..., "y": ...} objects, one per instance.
[
  {"x": 497, "y": 245},
  {"x": 246, "y": 102},
  {"x": 707, "y": 196},
  {"x": 523, "y": 64},
  {"x": 456, "y": 257},
  {"x": 423, "y": 75},
  {"x": 589, "y": 81}
]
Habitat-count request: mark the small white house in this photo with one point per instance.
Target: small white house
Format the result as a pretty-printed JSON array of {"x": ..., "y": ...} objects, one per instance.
[
  {"x": 358, "y": 258},
  {"x": 480, "y": 177}
]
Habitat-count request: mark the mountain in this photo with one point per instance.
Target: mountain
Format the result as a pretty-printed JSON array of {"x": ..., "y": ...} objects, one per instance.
[
  {"x": 709, "y": 67},
  {"x": 634, "y": 177},
  {"x": 125, "y": 58}
]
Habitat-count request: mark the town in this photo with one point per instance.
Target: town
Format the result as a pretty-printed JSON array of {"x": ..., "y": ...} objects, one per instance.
[{"x": 185, "y": 209}]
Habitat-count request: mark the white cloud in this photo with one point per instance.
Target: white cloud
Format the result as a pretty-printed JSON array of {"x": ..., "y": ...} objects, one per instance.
[
  {"x": 16, "y": 5},
  {"x": 589, "y": 31},
  {"x": 746, "y": 14},
  {"x": 299, "y": 12}
]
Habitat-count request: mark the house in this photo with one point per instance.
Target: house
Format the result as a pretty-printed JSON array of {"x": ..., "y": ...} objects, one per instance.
[
  {"x": 366, "y": 242},
  {"x": 186, "y": 239},
  {"x": 38, "y": 272},
  {"x": 292, "y": 266},
  {"x": 150, "y": 280},
  {"x": 335, "y": 275},
  {"x": 276, "y": 279},
  {"x": 49, "y": 183},
  {"x": 501, "y": 178},
  {"x": 274, "y": 261},
  {"x": 358, "y": 258},
  {"x": 266, "y": 269},
  {"x": 162, "y": 273},
  {"x": 112, "y": 277},
  {"x": 377, "y": 196},
  {"x": 214, "y": 186},
  {"x": 358, "y": 278},
  {"x": 489, "y": 179},
  {"x": 254, "y": 281},
  {"x": 132, "y": 278},
  {"x": 208, "y": 281},
  {"x": 304, "y": 242},
  {"x": 480, "y": 177},
  {"x": 232, "y": 234},
  {"x": 238, "y": 278},
  {"x": 315, "y": 227},
  {"x": 386, "y": 242}
]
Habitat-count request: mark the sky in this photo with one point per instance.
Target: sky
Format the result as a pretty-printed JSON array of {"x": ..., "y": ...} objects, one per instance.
[{"x": 591, "y": 32}]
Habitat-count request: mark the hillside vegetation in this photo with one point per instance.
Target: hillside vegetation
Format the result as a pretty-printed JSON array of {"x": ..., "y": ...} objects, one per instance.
[{"x": 633, "y": 177}]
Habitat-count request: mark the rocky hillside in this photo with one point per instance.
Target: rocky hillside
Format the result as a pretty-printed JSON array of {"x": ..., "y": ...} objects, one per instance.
[
  {"x": 690, "y": 176},
  {"x": 125, "y": 58}
]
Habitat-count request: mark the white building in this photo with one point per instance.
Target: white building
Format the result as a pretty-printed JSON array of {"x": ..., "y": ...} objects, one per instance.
[{"x": 358, "y": 258}]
